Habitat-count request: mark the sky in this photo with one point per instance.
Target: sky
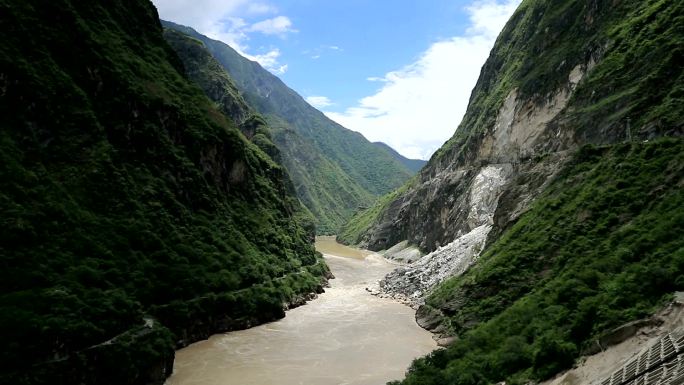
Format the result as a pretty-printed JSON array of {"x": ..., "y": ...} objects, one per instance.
[{"x": 397, "y": 71}]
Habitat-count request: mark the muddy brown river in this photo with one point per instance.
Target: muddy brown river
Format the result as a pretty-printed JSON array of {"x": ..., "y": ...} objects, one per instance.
[{"x": 345, "y": 336}]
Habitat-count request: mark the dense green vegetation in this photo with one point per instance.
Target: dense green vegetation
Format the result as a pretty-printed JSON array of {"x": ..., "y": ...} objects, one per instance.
[
  {"x": 636, "y": 46},
  {"x": 340, "y": 170},
  {"x": 631, "y": 50},
  {"x": 601, "y": 247},
  {"x": 328, "y": 192},
  {"x": 352, "y": 231},
  {"x": 128, "y": 197},
  {"x": 210, "y": 76}
]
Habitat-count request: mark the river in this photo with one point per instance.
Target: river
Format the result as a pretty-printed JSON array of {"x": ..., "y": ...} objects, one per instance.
[{"x": 345, "y": 336}]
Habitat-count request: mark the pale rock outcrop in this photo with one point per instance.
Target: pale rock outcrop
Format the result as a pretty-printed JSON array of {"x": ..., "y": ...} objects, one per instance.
[
  {"x": 403, "y": 252},
  {"x": 411, "y": 283},
  {"x": 468, "y": 194}
]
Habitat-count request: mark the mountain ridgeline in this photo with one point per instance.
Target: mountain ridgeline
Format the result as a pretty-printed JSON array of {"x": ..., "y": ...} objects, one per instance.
[
  {"x": 137, "y": 218},
  {"x": 335, "y": 171},
  {"x": 555, "y": 212},
  {"x": 412, "y": 164}
]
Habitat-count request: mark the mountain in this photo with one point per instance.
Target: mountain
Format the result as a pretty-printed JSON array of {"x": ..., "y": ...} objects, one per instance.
[
  {"x": 552, "y": 215},
  {"x": 335, "y": 171},
  {"x": 412, "y": 164},
  {"x": 203, "y": 70},
  {"x": 137, "y": 218}
]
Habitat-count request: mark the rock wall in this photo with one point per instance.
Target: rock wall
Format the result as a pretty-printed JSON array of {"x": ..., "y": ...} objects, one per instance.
[
  {"x": 514, "y": 159},
  {"x": 411, "y": 283},
  {"x": 561, "y": 75}
]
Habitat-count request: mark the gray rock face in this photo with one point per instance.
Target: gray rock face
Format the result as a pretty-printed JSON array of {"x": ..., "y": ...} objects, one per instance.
[
  {"x": 525, "y": 135},
  {"x": 481, "y": 189},
  {"x": 410, "y": 284},
  {"x": 403, "y": 252}
]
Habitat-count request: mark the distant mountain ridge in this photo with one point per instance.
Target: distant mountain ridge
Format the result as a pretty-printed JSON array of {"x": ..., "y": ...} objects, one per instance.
[
  {"x": 335, "y": 170},
  {"x": 412, "y": 164}
]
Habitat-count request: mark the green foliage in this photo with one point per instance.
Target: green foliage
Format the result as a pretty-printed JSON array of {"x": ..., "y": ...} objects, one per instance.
[
  {"x": 207, "y": 73},
  {"x": 327, "y": 191},
  {"x": 635, "y": 46},
  {"x": 335, "y": 170},
  {"x": 357, "y": 226},
  {"x": 127, "y": 194},
  {"x": 602, "y": 246}
]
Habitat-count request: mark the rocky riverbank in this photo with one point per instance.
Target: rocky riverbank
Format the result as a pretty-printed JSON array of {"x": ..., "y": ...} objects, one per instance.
[{"x": 410, "y": 284}]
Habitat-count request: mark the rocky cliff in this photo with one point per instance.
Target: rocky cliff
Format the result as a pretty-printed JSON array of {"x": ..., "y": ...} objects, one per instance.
[
  {"x": 562, "y": 74},
  {"x": 136, "y": 217},
  {"x": 547, "y": 214}
]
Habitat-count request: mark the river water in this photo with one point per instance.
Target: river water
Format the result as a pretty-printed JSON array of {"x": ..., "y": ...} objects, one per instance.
[{"x": 345, "y": 336}]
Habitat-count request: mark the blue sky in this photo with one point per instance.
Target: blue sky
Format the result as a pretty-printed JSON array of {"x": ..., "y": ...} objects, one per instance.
[{"x": 398, "y": 71}]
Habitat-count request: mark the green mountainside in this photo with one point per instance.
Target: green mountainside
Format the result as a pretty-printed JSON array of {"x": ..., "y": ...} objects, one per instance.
[
  {"x": 136, "y": 217},
  {"x": 210, "y": 76},
  {"x": 625, "y": 58},
  {"x": 570, "y": 157},
  {"x": 601, "y": 247},
  {"x": 340, "y": 171},
  {"x": 412, "y": 164}
]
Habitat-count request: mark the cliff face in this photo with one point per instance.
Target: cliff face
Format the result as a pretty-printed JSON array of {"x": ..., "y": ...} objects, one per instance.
[
  {"x": 335, "y": 171},
  {"x": 136, "y": 215},
  {"x": 562, "y": 74},
  {"x": 547, "y": 214}
]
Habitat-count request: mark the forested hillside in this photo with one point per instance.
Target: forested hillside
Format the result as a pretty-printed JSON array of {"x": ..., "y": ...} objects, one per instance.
[
  {"x": 599, "y": 248},
  {"x": 136, "y": 216},
  {"x": 335, "y": 171}
]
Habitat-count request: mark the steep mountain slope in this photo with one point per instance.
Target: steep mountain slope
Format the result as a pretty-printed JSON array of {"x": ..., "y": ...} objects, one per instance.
[
  {"x": 412, "y": 164},
  {"x": 340, "y": 172},
  {"x": 600, "y": 247},
  {"x": 210, "y": 76},
  {"x": 207, "y": 73},
  {"x": 566, "y": 240},
  {"x": 561, "y": 74},
  {"x": 136, "y": 217}
]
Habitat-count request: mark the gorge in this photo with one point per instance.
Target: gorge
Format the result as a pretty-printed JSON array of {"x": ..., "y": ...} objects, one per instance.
[{"x": 165, "y": 203}]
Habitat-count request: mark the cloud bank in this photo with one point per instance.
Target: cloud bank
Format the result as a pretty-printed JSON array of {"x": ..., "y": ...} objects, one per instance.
[
  {"x": 225, "y": 20},
  {"x": 319, "y": 101},
  {"x": 420, "y": 105}
]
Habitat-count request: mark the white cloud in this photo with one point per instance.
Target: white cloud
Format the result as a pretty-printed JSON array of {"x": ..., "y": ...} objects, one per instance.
[
  {"x": 261, "y": 8},
  {"x": 318, "y": 52},
  {"x": 419, "y": 106},
  {"x": 319, "y": 101},
  {"x": 279, "y": 25},
  {"x": 269, "y": 60},
  {"x": 224, "y": 20},
  {"x": 376, "y": 79}
]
